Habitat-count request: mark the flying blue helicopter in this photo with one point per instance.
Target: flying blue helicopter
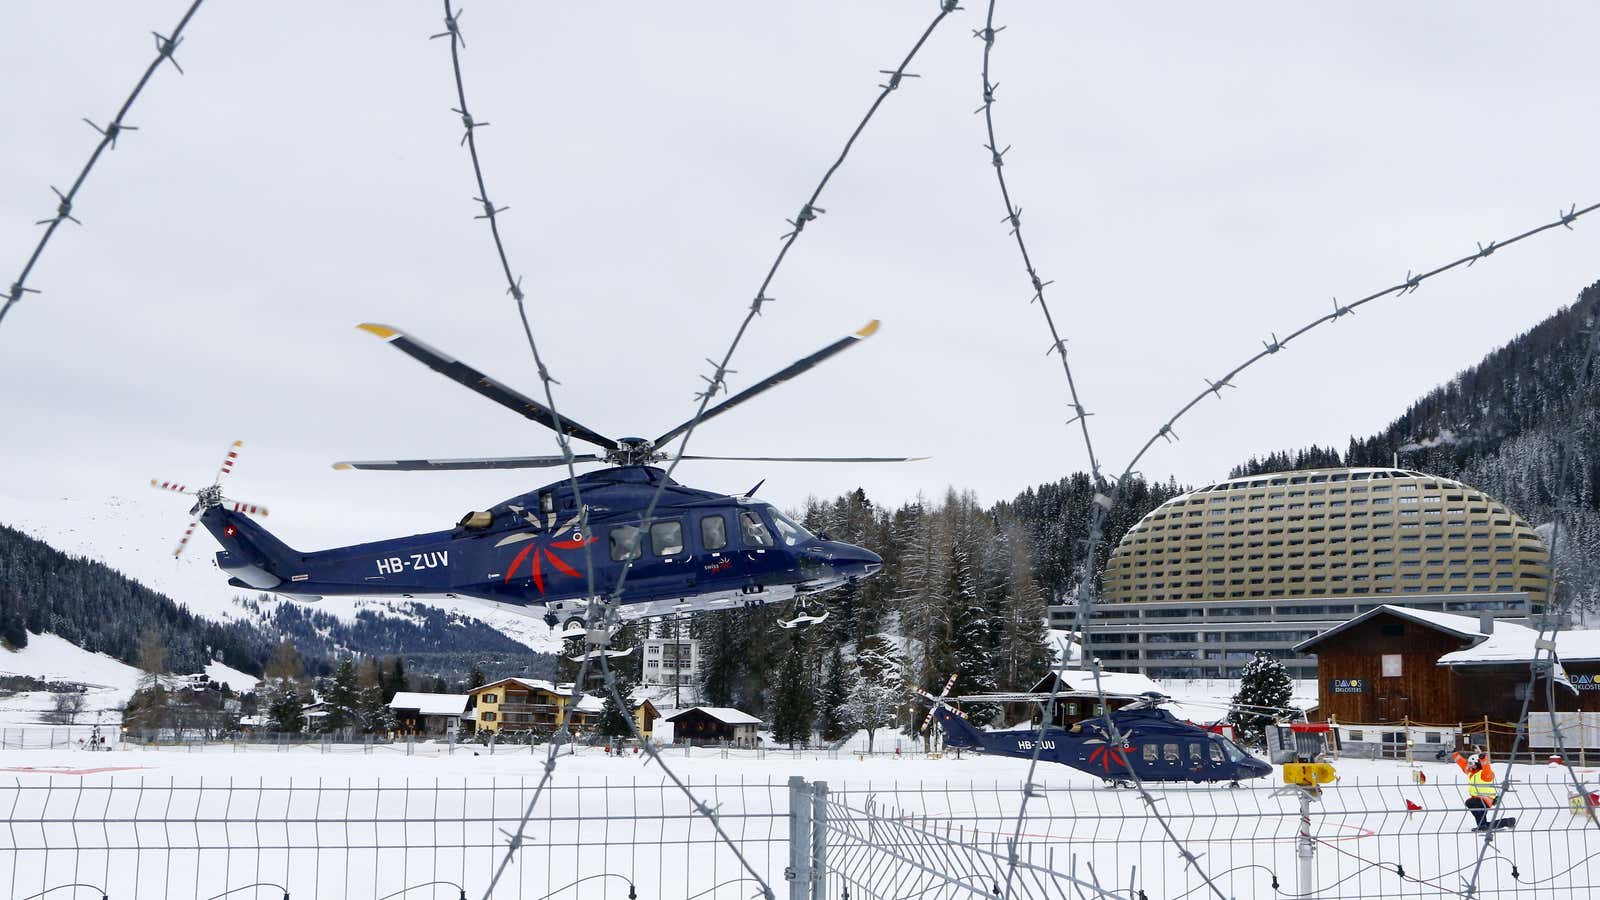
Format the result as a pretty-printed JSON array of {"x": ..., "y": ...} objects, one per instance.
[
  {"x": 1156, "y": 745},
  {"x": 542, "y": 551}
]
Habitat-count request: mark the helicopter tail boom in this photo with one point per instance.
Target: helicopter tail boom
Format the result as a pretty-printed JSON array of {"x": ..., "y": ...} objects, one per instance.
[{"x": 250, "y": 553}]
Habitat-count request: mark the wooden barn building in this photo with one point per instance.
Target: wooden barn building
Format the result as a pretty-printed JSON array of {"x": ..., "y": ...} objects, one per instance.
[
  {"x": 714, "y": 725},
  {"x": 1398, "y": 666}
]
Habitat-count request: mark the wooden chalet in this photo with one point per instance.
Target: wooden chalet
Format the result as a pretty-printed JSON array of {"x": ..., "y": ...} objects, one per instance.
[
  {"x": 1078, "y": 697},
  {"x": 714, "y": 725},
  {"x": 1393, "y": 665}
]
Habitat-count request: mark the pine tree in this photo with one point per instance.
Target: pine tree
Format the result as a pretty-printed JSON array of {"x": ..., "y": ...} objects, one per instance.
[
  {"x": 794, "y": 703},
  {"x": 836, "y": 718},
  {"x": 476, "y": 679},
  {"x": 395, "y": 681},
  {"x": 721, "y": 656},
  {"x": 341, "y": 696},
  {"x": 286, "y": 708},
  {"x": 13, "y": 620},
  {"x": 373, "y": 706},
  {"x": 1264, "y": 685},
  {"x": 1023, "y": 652}
]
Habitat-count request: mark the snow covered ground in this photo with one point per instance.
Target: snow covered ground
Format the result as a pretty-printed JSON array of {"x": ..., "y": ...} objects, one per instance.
[
  {"x": 217, "y": 818},
  {"x": 108, "y": 682}
]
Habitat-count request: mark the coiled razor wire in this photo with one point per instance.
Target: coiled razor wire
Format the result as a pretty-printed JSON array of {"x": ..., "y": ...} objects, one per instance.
[
  {"x": 166, "y": 46},
  {"x": 601, "y": 615},
  {"x": 1550, "y": 625}
]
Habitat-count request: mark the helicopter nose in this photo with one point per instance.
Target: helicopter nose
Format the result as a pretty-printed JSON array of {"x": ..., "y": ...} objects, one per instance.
[{"x": 858, "y": 562}]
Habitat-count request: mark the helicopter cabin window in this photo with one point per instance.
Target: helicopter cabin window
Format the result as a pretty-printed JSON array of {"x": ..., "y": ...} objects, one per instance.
[
  {"x": 792, "y": 532},
  {"x": 666, "y": 538},
  {"x": 1216, "y": 753},
  {"x": 713, "y": 533},
  {"x": 625, "y": 543},
  {"x": 476, "y": 521},
  {"x": 547, "y": 502},
  {"x": 1152, "y": 752},
  {"x": 752, "y": 531},
  {"x": 1169, "y": 754},
  {"x": 1196, "y": 756}
]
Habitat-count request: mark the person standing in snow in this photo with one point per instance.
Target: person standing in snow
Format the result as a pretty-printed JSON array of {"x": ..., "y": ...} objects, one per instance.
[{"x": 1481, "y": 787}]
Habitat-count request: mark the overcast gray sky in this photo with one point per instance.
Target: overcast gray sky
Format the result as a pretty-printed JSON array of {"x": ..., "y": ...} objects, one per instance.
[{"x": 1194, "y": 177}]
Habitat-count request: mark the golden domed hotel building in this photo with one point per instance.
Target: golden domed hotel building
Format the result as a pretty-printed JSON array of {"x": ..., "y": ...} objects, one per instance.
[{"x": 1266, "y": 561}]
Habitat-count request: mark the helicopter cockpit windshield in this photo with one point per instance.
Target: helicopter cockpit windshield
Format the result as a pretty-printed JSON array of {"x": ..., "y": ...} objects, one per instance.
[
  {"x": 1235, "y": 755},
  {"x": 792, "y": 532}
]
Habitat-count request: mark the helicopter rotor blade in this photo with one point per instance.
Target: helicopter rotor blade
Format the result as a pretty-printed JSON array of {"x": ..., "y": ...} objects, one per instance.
[
  {"x": 176, "y": 487},
  {"x": 774, "y": 380},
  {"x": 471, "y": 378},
  {"x": 229, "y": 461},
  {"x": 819, "y": 459},
  {"x": 456, "y": 465},
  {"x": 187, "y": 533}
]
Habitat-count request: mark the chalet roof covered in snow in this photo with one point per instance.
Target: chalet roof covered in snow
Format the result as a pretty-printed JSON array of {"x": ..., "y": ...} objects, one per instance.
[
  {"x": 1080, "y": 683},
  {"x": 1516, "y": 644},
  {"x": 724, "y": 714},
  {"x": 1465, "y": 627},
  {"x": 430, "y": 704}
]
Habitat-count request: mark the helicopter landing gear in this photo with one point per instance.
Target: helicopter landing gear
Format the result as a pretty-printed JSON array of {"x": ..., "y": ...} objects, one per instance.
[{"x": 803, "y": 617}]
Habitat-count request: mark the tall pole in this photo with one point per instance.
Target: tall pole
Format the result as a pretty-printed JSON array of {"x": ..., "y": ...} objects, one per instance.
[{"x": 1305, "y": 849}]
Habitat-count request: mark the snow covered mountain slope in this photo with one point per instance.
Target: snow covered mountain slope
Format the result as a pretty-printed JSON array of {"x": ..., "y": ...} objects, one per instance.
[{"x": 137, "y": 536}]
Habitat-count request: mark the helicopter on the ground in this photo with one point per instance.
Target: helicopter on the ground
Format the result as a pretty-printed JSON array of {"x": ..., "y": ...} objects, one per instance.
[
  {"x": 567, "y": 543},
  {"x": 1155, "y": 744}
]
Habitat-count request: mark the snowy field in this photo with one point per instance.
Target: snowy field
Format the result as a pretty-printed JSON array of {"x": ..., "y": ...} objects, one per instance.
[{"x": 196, "y": 822}]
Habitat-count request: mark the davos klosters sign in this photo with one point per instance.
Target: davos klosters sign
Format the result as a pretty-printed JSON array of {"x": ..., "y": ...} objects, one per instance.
[{"x": 1359, "y": 686}]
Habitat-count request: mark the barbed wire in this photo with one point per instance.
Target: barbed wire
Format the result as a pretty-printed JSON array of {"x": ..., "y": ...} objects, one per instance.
[
  {"x": 1554, "y": 612},
  {"x": 1058, "y": 346},
  {"x": 1104, "y": 502},
  {"x": 490, "y": 212},
  {"x": 602, "y": 613},
  {"x": 602, "y": 625},
  {"x": 1084, "y": 592},
  {"x": 166, "y": 46},
  {"x": 809, "y": 211}
]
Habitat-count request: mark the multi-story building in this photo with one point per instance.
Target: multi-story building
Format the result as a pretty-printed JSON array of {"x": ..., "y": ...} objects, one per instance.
[
  {"x": 670, "y": 661},
  {"x": 1267, "y": 561}
]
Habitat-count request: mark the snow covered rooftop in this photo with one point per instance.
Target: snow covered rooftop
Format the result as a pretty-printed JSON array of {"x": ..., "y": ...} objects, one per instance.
[
  {"x": 430, "y": 704},
  {"x": 1465, "y": 627},
  {"x": 725, "y": 715},
  {"x": 1080, "y": 683},
  {"x": 1515, "y": 644},
  {"x": 1505, "y": 642},
  {"x": 533, "y": 684}
]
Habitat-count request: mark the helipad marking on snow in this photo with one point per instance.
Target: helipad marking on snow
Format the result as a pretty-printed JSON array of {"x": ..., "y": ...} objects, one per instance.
[{"x": 62, "y": 770}]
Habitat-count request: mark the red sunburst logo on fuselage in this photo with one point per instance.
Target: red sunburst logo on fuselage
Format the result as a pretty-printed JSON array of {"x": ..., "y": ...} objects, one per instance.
[
  {"x": 547, "y": 553},
  {"x": 1105, "y": 755}
]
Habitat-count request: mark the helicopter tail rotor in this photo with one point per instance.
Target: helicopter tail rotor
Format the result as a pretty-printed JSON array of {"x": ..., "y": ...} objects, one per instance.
[{"x": 209, "y": 496}]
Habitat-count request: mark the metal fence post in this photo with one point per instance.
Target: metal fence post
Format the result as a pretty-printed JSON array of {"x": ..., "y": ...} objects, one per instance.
[
  {"x": 798, "y": 872},
  {"x": 819, "y": 840},
  {"x": 1305, "y": 849}
]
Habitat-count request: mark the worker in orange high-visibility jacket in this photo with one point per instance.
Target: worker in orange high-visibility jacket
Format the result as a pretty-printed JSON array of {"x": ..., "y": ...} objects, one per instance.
[{"x": 1481, "y": 789}]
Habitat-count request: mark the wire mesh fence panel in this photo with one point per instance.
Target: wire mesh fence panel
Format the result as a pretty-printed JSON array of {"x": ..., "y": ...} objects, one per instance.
[
  {"x": 1366, "y": 839},
  {"x": 203, "y": 838}
]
